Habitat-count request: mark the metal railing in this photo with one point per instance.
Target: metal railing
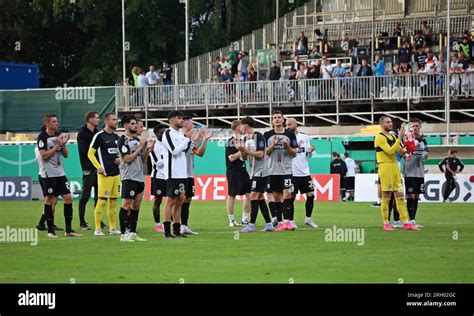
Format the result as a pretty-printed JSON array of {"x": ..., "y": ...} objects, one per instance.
[{"x": 334, "y": 92}]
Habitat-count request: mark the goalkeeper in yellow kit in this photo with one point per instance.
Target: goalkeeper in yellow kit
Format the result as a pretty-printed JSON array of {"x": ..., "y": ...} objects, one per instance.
[{"x": 386, "y": 146}]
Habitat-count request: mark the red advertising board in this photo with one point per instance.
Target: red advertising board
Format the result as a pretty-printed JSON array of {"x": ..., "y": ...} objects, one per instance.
[{"x": 214, "y": 188}]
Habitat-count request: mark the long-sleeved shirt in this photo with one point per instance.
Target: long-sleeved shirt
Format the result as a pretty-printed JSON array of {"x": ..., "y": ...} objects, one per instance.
[
  {"x": 386, "y": 148},
  {"x": 454, "y": 163},
  {"x": 84, "y": 139},
  {"x": 338, "y": 166}
]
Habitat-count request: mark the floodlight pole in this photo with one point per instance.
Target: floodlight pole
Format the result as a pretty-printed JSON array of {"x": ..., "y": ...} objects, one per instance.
[
  {"x": 448, "y": 98},
  {"x": 124, "y": 75}
]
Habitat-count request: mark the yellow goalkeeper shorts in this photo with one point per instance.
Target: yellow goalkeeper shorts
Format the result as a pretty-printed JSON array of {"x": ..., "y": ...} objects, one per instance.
[
  {"x": 390, "y": 177},
  {"x": 108, "y": 186}
]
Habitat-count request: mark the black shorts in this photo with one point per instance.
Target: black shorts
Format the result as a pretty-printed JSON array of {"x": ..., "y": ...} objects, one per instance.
[
  {"x": 278, "y": 183},
  {"x": 190, "y": 189},
  {"x": 350, "y": 183},
  {"x": 175, "y": 187},
  {"x": 41, "y": 183},
  {"x": 238, "y": 183},
  {"x": 303, "y": 185},
  {"x": 131, "y": 188},
  {"x": 259, "y": 184},
  {"x": 414, "y": 185},
  {"x": 158, "y": 188},
  {"x": 55, "y": 186}
]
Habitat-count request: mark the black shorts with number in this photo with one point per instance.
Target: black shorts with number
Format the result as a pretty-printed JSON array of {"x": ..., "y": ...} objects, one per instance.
[
  {"x": 131, "y": 188},
  {"x": 175, "y": 187},
  {"x": 238, "y": 183},
  {"x": 350, "y": 183},
  {"x": 55, "y": 186},
  {"x": 158, "y": 188},
  {"x": 190, "y": 189},
  {"x": 414, "y": 185},
  {"x": 278, "y": 183},
  {"x": 259, "y": 184},
  {"x": 303, "y": 184}
]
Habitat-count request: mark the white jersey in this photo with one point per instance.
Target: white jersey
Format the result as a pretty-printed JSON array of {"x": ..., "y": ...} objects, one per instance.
[
  {"x": 351, "y": 167},
  {"x": 175, "y": 146},
  {"x": 300, "y": 164},
  {"x": 156, "y": 156},
  {"x": 40, "y": 163}
]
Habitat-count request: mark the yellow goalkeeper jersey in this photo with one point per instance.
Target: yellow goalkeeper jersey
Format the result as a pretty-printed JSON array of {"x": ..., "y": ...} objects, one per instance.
[{"x": 386, "y": 147}]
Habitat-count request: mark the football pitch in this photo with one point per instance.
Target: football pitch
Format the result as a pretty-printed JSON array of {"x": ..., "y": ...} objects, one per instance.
[{"x": 442, "y": 253}]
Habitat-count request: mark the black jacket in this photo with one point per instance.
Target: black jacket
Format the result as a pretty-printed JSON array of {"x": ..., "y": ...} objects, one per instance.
[
  {"x": 84, "y": 139},
  {"x": 367, "y": 74},
  {"x": 275, "y": 73},
  {"x": 338, "y": 166}
]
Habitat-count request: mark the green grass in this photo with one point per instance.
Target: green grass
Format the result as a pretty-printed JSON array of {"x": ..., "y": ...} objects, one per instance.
[{"x": 215, "y": 256}]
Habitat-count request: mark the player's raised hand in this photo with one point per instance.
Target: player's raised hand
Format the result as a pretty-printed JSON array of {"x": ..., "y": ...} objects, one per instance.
[
  {"x": 58, "y": 141},
  {"x": 142, "y": 143},
  {"x": 208, "y": 135},
  {"x": 195, "y": 136},
  {"x": 65, "y": 138},
  {"x": 116, "y": 161},
  {"x": 311, "y": 149}
]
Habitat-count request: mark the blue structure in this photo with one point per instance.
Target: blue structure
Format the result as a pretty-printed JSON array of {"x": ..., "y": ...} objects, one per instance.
[{"x": 19, "y": 76}]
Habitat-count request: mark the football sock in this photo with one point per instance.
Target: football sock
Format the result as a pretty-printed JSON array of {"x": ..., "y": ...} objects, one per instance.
[
  {"x": 271, "y": 205},
  {"x": 185, "y": 213},
  {"x": 415, "y": 209},
  {"x": 411, "y": 208},
  {"x": 133, "y": 218},
  {"x": 264, "y": 210},
  {"x": 98, "y": 211},
  {"x": 167, "y": 226},
  {"x": 309, "y": 205},
  {"x": 68, "y": 217},
  {"x": 231, "y": 218},
  {"x": 176, "y": 229},
  {"x": 42, "y": 220},
  {"x": 48, "y": 213},
  {"x": 402, "y": 209},
  {"x": 278, "y": 215},
  {"x": 123, "y": 220},
  {"x": 384, "y": 209},
  {"x": 378, "y": 200},
  {"x": 287, "y": 209},
  {"x": 156, "y": 210},
  {"x": 111, "y": 212},
  {"x": 253, "y": 211},
  {"x": 245, "y": 216}
]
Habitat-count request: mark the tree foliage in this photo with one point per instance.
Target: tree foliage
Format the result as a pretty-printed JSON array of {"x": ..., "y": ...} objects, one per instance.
[{"x": 79, "y": 42}]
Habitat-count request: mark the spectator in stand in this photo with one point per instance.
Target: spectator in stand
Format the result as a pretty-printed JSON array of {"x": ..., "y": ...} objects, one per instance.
[
  {"x": 315, "y": 53},
  {"x": 216, "y": 71},
  {"x": 317, "y": 66},
  {"x": 302, "y": 45},
  {"x": 379, "y": 67},
  {"x": 232, "y": 59},
  {"x": 242, "y": 66},
  {"x": 300, "y": 73},
  {"x": 441, "y": 69},
  {"x": 456, "y": 71},
  {"x": 427, "y": 32},
  {"x": 465, "y": 47},
  {"x": 135, "y": 74},
  {"x": 420, "y": 41},
  {"x": 430, "y": 62},
  {"x": 397, "y": 31},
  {"x": 339, "y": 71},
  {"x": 465, "y": 82},
  {"x": 296, "y": 63},
  {"x": 420, "y": 58},
  {"x": 275, "y": 72},
  {"x": 166, "y": 73},
  {"x": 226, "y": 75},
  {"x": 327, "y": 73},
  {"x": 365, "y": 70},
  {"x": 222, "y": 64},
  {"x": 142, "y": 80},
  {"x": 396, "y": 70},
  {"x": 252, "y": 74},
  {"x": 293, "y": 89},
  {"x": 405, "y": 68},
  {"x": 152, "y": 76},
  {"x": 404, "y": 53}
]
